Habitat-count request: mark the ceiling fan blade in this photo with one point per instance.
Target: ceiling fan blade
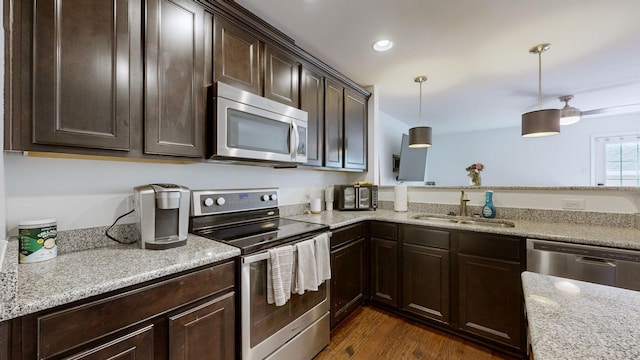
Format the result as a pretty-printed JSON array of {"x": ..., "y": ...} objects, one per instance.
[{"x": 613, "y": 110}]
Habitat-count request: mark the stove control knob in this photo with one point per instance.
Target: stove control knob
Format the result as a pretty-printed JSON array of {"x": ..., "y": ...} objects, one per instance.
[
  {"x": 274, "y": 197},
  {"x": 265, "y": 197},
  {"x": 208, "y": 202},
  {"x": 220, "y": 201}
]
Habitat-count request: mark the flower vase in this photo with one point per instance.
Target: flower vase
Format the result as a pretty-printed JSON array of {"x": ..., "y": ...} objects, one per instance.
[{"x": 475, "y": 180}]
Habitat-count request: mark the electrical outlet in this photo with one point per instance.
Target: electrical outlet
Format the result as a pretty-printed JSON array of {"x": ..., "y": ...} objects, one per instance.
[{"x": 573, "y": 204}]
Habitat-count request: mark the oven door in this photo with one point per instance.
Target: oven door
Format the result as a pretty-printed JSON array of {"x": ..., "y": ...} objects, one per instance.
[
  {"x": 364, "y": 198},
  {"x": 302, "y": 323},
  {"x": 249, "y": 132}
]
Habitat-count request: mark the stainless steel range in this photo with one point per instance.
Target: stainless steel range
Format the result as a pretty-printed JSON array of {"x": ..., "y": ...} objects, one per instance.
[{"x": 250, "y": 220}]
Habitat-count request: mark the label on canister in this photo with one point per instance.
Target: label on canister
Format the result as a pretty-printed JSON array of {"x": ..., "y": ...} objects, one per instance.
[{"x": 37, "y": 240}]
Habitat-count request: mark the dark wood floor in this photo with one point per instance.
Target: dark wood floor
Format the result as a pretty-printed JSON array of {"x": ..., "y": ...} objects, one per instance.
[{"x": 376, "y": 334}]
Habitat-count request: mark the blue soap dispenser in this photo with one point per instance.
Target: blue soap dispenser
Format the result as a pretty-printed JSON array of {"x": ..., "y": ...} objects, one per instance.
[{"x": 488, "y": 210}]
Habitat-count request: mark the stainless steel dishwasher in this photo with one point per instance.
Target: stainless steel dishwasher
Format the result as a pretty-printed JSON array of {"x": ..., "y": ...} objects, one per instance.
[{"x": 597, "y": 264}]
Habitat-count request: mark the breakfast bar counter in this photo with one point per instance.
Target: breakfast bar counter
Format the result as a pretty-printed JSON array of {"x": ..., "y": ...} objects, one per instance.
[{"x": 570, "y": 319}]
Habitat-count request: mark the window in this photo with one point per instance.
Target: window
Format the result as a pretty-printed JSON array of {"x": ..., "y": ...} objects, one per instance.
[{"x": 616, "y": 160}]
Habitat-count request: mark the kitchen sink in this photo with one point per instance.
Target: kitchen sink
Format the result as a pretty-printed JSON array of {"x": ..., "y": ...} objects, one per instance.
[
  {"x": 504, "y": 224},
  {"x": 435, "y": 218},
  {"x": 478, "y": 222}
]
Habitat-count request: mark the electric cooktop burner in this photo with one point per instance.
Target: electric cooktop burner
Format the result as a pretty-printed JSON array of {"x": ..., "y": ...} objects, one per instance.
[{"x": 247, "y": 219}]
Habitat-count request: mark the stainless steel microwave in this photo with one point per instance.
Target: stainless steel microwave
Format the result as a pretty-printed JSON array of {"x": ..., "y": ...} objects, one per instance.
[
  {"x": 355, "y": 197},
  {"x": 250, "y": 127}
]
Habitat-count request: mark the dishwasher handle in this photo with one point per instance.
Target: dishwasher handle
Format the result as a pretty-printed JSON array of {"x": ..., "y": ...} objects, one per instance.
[{"x": 595, "y": 261}]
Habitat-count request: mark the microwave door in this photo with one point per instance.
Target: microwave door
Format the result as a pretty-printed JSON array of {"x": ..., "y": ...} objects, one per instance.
[
  {"x": 244, "y": 131},
  {"x": 349, "y": 196},
  {"x": 364, "y": 196}
]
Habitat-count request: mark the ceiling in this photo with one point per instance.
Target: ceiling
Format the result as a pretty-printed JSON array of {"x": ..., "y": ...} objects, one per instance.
[{"x": 474, "y": 52}]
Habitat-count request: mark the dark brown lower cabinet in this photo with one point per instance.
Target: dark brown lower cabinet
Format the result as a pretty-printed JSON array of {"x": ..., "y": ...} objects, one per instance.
[
  {"x": 384, "y": 271},
  {"x": 347, "y": 290},
  {"x": 204, "y": 332},
  {"x": 425, "y": 282},
  {"x": 136, "y": 345},
  {"x": 186, "y": 316},
  {"x": 489, "y": 287},
  {"x": 489, "y": 298},
  {"x": 348, "y": 271}
]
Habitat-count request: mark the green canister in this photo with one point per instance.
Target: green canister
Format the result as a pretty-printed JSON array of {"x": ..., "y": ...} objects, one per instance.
[{"x": 37, "y": 240}]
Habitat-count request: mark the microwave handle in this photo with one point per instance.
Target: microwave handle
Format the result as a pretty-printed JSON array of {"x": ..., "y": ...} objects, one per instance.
[{"x": 296, "y": 143}]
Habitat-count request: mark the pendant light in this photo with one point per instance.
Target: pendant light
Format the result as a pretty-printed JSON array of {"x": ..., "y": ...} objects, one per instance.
[
  {"x": 540, "y": 122},
  {"x": 568, "y": 114},
  {"x": 420, "y": 136}
]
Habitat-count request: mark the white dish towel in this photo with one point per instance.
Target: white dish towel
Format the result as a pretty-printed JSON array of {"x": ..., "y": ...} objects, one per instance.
[
  {"x": 279, "y": 270},
  {"x": 323, "y": 260},
  {"x": 306, "y": 277}
]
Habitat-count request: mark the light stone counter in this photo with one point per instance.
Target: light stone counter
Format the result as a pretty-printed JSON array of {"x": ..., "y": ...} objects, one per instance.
[
  {"x": 77, "y": 275},
  {"x": 576, "y": 233},
  {"x": 570, "y": 319}
]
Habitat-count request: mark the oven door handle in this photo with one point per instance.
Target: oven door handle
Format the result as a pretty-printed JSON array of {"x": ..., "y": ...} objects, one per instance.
[
  {"x": 248, "y": 259},
  {"x": 255, "y": 258}
]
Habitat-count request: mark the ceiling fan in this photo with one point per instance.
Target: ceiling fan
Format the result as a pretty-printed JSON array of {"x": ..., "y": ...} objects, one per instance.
[{"x": 570, "y": 115}]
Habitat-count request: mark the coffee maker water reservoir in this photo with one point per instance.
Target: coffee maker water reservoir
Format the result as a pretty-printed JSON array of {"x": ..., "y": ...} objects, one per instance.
[{"x": 162, "y": 212}]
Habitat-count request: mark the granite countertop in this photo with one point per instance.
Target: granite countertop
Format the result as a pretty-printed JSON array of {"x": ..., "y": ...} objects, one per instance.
[
  {"x": 570, "y": 319},
  {"x": 77, "y": 275},
  {"x": 28, "y": 288},
  {"x": 625, "y": 238}
]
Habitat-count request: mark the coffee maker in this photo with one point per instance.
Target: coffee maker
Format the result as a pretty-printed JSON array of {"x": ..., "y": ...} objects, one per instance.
[{"x": 162, "y": 212}]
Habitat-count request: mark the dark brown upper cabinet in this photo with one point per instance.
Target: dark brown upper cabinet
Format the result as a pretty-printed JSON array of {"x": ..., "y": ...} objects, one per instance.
[
  {"x": 236, "y": 57},
  {"x": 281, "y": 75},
  {"x": 83, "y": 55},
  {"x": 333, "y": 124},
  {"x": 175, "y": 83},
  {"x": 355, "y": 131},
  {"x": 345, "y": 126},
  {"x": 312, "y": 101},
  {"x": 134, "y": 79}
]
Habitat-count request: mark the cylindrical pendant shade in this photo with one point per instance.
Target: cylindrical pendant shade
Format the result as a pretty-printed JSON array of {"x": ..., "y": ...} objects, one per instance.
[
  {"x": 541, "y": 123},
  {"x": 420, "y": 137}
]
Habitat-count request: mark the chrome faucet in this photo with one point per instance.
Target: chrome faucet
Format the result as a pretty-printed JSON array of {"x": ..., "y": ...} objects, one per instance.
[{"x": 463, "y": 203}]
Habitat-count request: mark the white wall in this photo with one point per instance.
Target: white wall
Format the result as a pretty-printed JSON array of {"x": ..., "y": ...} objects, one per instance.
[
  {"x": 621, "y": 202},
  {"x": 509, "y": 159},
  {"x": 89, "y": 193},
  {"x": 389, "y": 142}
]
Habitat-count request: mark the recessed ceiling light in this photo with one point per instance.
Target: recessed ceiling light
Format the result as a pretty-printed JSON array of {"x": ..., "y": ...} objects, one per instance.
[{"x": 382, "y": 45}]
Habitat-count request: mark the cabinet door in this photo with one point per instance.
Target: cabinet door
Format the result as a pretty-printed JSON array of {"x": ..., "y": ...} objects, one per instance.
[
  {"x": 355, "y": 131},
  {"x": 136, "y": 345},
  {"x": 312, "y": 101},
  {"x": 236, "y": 57},
  {"x": 174, "y": 75},
  {"x": 333, "y": 125},
  {"x": 281, "y": 77},
  {"x": 384, "y": 271},
  {"x": 490, "y": 301},
  {"x": 425, "y": 282},
  {"x": 347, "y": 280},
  {"x": 204, "y": 332},
  {"x": 83, "y": 60}
]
